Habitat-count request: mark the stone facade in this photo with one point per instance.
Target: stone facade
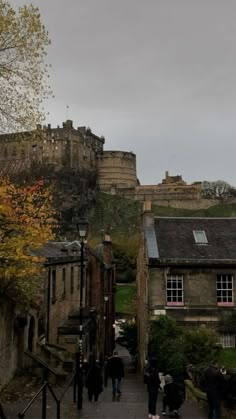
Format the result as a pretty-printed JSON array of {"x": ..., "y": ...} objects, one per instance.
[
  {"x": 80, "y": 149},
  {"x": 8, "y": 342},
  {"x": 184, "y": 280},
  {"x": 63, "y": 298},
  {"x": 116, "y": 170},
  {"x": 60, "y": 147}
]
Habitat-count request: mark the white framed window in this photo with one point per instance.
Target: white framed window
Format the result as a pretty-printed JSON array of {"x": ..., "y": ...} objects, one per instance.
[
  {"x": 224, "y": 289},
  {"x": 227, "y": 340},
  {"x": 174, "y": 290},
  {"x": 200, "y": 237}
]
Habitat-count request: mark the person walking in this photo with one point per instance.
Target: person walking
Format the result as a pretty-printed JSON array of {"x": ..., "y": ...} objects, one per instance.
[
  {"x": 115, "y": 368},
  {"x": 151, "y": 378},
  {"x": 213, "y": 384},
  {"x": 171, "y": 397},
  {"x": 94, "y": 381}
]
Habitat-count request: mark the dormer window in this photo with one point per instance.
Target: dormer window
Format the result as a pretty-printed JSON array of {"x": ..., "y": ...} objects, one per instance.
[{"x": 200, "y": 237}]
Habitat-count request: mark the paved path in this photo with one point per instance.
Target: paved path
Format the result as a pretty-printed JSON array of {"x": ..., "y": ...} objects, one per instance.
[{"x": 132, "y": 405}]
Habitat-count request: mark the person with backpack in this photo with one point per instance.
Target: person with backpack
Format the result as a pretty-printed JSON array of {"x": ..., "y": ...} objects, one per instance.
[
  {"x": 152, "y": 380},
  {"x": 213, "y": 383},
  {"x": 115, "y": 366},
  {"x": 171, "y": 397}
]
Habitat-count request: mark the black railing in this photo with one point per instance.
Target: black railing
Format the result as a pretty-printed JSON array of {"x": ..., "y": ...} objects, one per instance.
[
  {"x": 43, "y": 390},
  {"x": 2, "y": 415}
]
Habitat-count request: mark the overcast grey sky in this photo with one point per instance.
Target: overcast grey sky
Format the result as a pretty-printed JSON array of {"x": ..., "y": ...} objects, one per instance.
[{"x": 156, "y": 77}]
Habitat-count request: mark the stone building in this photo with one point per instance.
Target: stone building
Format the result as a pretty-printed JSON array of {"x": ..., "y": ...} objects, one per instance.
[
  {"x": 60, "y": 147},
  {"x": 116, "y": 171},
  {"x": 60, "y": 312},
  {"x": 186, "y": 270},
  {"x": 54, "y": 320},
  {"x": 80, "y": 149}
]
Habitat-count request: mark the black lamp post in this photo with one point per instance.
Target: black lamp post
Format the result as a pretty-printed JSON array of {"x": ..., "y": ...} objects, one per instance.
[
  {"x": 106, "y": 349},
  {"x": 82, "y": 226}
]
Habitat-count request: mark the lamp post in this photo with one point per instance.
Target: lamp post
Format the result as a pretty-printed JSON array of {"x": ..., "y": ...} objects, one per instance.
[
  {"x": 106, "y": 299},
  {"x": 82, "y": 226}
]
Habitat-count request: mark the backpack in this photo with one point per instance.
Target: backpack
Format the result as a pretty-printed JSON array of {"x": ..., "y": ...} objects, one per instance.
[{"x": 150, "y": 377}]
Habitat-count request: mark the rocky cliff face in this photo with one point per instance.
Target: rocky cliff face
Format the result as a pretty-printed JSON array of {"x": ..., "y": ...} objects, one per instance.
[{"x": 74, "y": 193}]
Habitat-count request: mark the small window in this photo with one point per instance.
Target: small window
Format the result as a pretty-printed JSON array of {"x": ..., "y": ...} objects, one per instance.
[
  {"x": 200, "y": 236},
  {"x": 54, "y": 283},
  {"x": 227, "y": 340},
  {"x": 174, "y": 290},
  {"x": 224, "y": 289}
]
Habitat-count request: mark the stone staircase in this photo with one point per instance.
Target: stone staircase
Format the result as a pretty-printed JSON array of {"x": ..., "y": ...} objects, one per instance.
[{"x": 52, "y": 363}]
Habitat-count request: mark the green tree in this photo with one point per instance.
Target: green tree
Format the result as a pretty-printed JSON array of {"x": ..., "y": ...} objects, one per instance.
[
  {"x": 175, "y": 346},
  {"x": 165, "y": 344},
  {"x": 200, "y": 346},
  {"x": 23, "y": 73}
]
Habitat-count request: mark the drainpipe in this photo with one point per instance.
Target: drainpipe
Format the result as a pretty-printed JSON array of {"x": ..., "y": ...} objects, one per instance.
[{"x": 48, "y": 304}]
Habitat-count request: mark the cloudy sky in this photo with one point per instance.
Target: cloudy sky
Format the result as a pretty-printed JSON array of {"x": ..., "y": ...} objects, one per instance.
[{"x": 156, "y": 77}]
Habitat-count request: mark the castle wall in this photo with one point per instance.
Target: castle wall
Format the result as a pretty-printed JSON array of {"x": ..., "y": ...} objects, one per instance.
[
  {"x": 61, "y": 146},
  {"x": 116, "y": 169},
  {"x": 80, "y": 149},
  {"x": 186, "y": 196}
]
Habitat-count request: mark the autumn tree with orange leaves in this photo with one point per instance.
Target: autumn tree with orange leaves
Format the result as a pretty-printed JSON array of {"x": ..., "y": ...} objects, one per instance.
[{"x": 26, "y": 223}]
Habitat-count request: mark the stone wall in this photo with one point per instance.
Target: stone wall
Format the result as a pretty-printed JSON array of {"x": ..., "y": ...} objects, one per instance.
[
  {"x": 199, "y": 287},
  {"x": 8, "y": 342},
  {"x": 116, "y": 170},
  {"x": 62, "y": 147},
  {"x": 66, "y": 296},
  {"x": 175, "y": 196}
]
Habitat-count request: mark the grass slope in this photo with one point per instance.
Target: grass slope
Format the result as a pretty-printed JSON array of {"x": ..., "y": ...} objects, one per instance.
[
  {"x": 121, "y": 216},
  {"x": 124, "y": 300}
]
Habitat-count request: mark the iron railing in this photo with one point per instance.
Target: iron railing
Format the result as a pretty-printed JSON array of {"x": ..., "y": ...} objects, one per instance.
[
  {"x": 2, "y": 415},
  {"x": 43, "y": 390}
]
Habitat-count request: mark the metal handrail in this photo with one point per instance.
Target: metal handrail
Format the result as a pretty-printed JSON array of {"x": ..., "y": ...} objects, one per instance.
[
  {"x": 43, "y": 389},
  {"x": 21, "y": 414},
  {"x": 2, "y": 414}
]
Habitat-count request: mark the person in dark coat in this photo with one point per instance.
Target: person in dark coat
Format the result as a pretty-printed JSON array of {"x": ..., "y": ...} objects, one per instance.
[
  {"x": 171, "y": 397},
  {"x": 116, "y": 372},
  {"x": 214, "y": 383},
  {"x": 151, "y": 378},
  {"x": 94, "y": 381}
]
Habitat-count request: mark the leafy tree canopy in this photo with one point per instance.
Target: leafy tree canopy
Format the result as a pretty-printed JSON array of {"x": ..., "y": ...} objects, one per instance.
[
  {"x": 23, "y": 74},
  {"x": 26, "y": 223},
  {"x": 175, "y": 346}
]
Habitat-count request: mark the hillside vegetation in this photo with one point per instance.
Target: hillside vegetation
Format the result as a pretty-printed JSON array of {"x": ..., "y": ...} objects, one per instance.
[{"x": 121, "y": 218}]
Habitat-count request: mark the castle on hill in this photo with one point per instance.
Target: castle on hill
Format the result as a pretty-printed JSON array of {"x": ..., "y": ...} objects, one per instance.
[{"x": 80, "y": 149}]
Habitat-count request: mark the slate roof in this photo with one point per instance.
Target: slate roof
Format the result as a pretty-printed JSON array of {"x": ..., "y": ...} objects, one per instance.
[
  {"x": 58, "y": 251},
  {"x": 175, "y": 241}
]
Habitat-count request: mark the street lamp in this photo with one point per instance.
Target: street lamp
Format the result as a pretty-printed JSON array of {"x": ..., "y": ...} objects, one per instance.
[
  {"x": 106, "y": 314},
  {"x": 82, "y": 226}
]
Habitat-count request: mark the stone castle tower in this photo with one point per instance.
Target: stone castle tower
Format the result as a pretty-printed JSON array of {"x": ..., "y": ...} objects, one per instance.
[{"x": 67, "y": 147}]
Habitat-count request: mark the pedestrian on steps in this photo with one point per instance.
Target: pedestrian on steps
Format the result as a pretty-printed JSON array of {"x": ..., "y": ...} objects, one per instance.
[
  {"x": 151, "y": 378},
  {"x": 115, "y": 368},
  {"x": 94, "y": 381},
  {"x": 172, "y": 397}
]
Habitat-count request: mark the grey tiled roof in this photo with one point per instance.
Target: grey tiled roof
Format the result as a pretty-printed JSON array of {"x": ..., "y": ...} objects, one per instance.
[
  {"x": 56, "y": 249},
  {"x": 175, "y": 240}
]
